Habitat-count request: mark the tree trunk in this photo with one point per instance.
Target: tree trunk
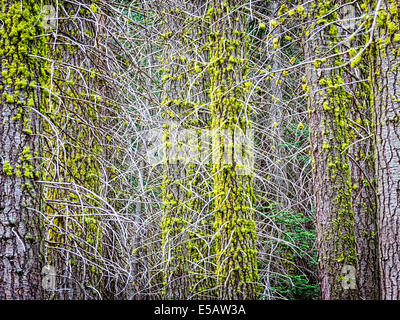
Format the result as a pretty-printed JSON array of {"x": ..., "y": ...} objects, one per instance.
[
  {"x": 328, "y": 107},
  {"x": 186, "y": 222},
  {"x": 20, "y": 195},
  {"x": 386, "y": 97},
  {"x": 233, "y": 182},
  {"x": 362, "y": 160},
  {"x": 362, "y": 168},
  {"x": 76, "y": 131}
]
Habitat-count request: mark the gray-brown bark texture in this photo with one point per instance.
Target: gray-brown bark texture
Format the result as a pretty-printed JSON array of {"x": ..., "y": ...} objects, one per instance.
[
  {"x": 362, "y": 163},
  {"x": 20, "y": 263},
  {"x": 362, "y": 170},
  {"x": 385, "y": 77},
  {"x": 328, "y": 105},
  {"x": 187, "y": 224}
]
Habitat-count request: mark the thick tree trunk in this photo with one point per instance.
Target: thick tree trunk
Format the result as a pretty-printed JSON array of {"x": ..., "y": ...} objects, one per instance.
[
  {"x": 76, "y": 131},
  {"x": 385, "y": 77},
  {"x": 20, "y": 238},
  {"x": 328, "y": 105},
  {"x": 362, "y": 163},
  {"x": 233, "y": 184},
  {"x": 186, "y": 223}
]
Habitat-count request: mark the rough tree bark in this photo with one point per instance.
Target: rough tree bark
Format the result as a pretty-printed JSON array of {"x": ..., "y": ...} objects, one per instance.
[
  {"x": 76, "y": 130},
  {"x": 362, "y": 168},
  {"x": 361, "y": 156},
  {"x": 188, "y": 271},
  {"x": 385, "y": 79},
  {"x": 236, "y": 252},
  {"x": 328, "y": 106},
  {"x": 20, "y": 101}
]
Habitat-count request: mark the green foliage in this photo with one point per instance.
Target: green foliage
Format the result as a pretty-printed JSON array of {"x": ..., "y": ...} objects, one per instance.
[
  {"x": 299, "y": 253},
  {"x": 298, "y": 287}
]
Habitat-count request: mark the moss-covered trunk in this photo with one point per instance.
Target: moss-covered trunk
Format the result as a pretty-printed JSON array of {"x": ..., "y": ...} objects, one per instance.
[
  {"x": 76, "y": 138},
  {"x": 328, "y": 109},
  {"x": 22, "y": 74},
  {"x": 361, "y": 153},
  {"x": 235, "y": 228},
  {"x": 186, "y": 222}
]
